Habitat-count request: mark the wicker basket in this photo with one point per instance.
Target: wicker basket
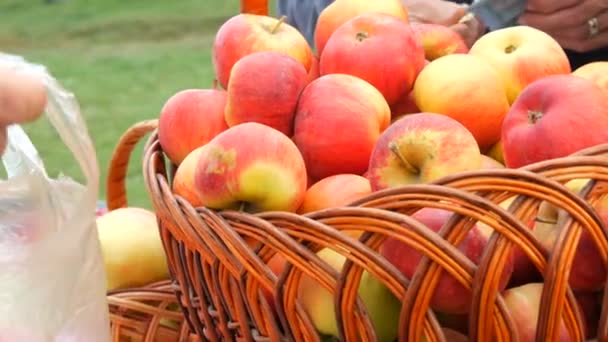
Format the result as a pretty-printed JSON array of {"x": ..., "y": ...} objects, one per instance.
[
  {"x": 149, "y": 313},
  {"x": 219, "y": 259}
]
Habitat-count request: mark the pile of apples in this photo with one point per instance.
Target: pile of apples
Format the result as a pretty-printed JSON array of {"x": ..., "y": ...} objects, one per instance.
[{"x": 379, "y": 103}]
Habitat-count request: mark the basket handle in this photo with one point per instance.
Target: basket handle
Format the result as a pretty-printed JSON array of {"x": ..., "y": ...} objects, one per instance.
[
  {"x": 116, "y": 190},
  {"x": 255, "y": 7}
]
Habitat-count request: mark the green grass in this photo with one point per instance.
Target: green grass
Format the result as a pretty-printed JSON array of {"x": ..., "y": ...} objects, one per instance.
[{"x": 122, "y": 59}]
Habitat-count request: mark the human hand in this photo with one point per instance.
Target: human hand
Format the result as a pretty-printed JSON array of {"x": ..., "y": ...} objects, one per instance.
[
  {"x": 445, "y": 13},
  {"x": 22, "y": 99},
  {"x": 576, "y": 25}
]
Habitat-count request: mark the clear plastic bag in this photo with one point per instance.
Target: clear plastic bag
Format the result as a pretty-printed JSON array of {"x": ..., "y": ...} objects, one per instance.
[
  {"x": 497, "y": 14},
  {"x": 52, "y": 278}
]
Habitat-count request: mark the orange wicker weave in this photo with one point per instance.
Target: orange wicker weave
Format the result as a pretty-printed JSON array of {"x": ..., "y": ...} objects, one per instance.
[
  {"x": 147, "y": 314},
  {"x": 218, "y": 259}
]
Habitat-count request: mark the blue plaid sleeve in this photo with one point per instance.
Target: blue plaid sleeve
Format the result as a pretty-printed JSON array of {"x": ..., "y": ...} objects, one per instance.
[{"x": 303, "y": 15}]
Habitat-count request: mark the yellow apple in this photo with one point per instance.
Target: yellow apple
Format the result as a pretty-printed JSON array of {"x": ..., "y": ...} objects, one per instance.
[
  {"x": 521, "y": 55},
  {"x": 467, "y": 89},
  {"x": 131, "y": 247},
  {"x": 596, "y": 72}
]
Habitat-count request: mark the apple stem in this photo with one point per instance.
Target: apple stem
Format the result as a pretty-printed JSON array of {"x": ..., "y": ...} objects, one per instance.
[
  {"x": 534, "y": 116},
  {"x": 281, "y": 21},
  {"x": 214, "y": 84},
  {"x": 361, "y": 36},
  {"x": 395, "y": 149},
  {"x": 542, "y": 220},
  {"x": 242, "y": 206}
]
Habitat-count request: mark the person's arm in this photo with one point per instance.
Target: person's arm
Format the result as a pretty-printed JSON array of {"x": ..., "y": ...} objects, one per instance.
[
  {"x": 303, "y": 15},
  {"x": 22, "y": 99}
]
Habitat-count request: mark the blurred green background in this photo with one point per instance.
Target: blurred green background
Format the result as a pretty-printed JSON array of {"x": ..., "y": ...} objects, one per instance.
[{"x": 122, "y": 59}]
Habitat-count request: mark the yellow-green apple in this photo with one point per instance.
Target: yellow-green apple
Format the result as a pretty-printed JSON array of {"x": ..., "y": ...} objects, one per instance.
[
  {"x": 450, "y": 296},
  {"x": 382, "y": 306},
  {"x": 467, "y": 89},
  {"x": 335, "y": 191},
  {"x": 252, "y": 167},
  {"x": 131, "y": 247},
  {"x": 341, "y": 11},
  {"x": 405, "y": 105},
  {"x": 189, "y": 119},
  {"x": 490, "y": 163},
  {"x": 421, "y": 148},
  {"x": 183, "y": 181},
  {"x": 589, "y": 272},
  {"x": 264, "y": 88},
  {"x": 521, "y": 55},
  {"x": 596, "y": 72},
  {"x": 534, "y": 128},
  {"x": 246, "y": 33},
  {"x": 439, "y": 40},
  {"x": 313, "y": 73},
  {"x": 495, "y": 152},
  {"x": 523, "y": 305},
  {"x": 378, "y": 48},
  {"x": 338, "y": 121}
]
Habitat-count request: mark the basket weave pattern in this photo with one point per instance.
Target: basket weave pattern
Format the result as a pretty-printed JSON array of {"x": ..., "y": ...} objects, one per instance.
[{"x": 219, "y": 259}]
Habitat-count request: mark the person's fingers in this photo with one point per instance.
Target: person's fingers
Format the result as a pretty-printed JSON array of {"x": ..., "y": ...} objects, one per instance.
[
  {"x": 549, "y": 6},
  {"x": 584, "y": 45},
  {"x": 22, "y": 96},
  {"x": 581, "y": 32},
  {"x": 2, "y": 139},
  {"x": 573, "y": 16},
  {"x": 434, "y": 11},
  {"x": 469, "y": 31}
]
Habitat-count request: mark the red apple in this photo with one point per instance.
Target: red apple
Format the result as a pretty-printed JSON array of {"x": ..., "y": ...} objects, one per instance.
[
  {"x": 189, "y": 119},
  {"x": 338, "y": 121},
  {"x": 450, "y": 296},
  {"x": 183, "y": 181},
  {"x": 334, "y": 191},
  {"x": 467, "y": 89},
  {"x": 340, "y": 11},
  {"x": 313, "y": 73},
  {"x": 252, "y": 167},
  {"x": 521, "y": 55},
  {"x": 406, "y": 105},
  {"x": 523, "y": 304},
  {"x": 265, "y": 88},
  {"x": 439, "y": 40},
  {"x": 376, "y": 47},
  {"x": 420, "y": 148},
  {"x": 247, "y": 33},
  {"x": 535, "y": 128},
  {"x": 589, "y": 272}
]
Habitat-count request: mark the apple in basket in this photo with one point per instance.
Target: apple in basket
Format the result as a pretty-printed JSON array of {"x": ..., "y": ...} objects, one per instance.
[
  {"x": 590, "y": 273},
  {"x": 379, "y": 48},
  {"x": 265, "y": 88},
  {"x": 246, "y": 33},
  {"x": 450, "y": 295},
  {"x": 189, "y": 119},
  {"x": 521, "y": 55},
  {"x": 183, "y": 181},
  {"x": 131, "y": 248},
  {"x": 252, "y": 167},
  {"x": 597, "y": 72},
  {"x": 338, "y": 121},
  {"x": 467, "y": 89},
  {"x": 341, "y": 11},
  {"x": 439, "y": 40},
  {"x": 420, "y": 148},
  {"x": 335, "y": 191},
  {"x": 382, "y": 306},
  {"x": 523, "y": 305},
  {"x": 545, "y": 123}
]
